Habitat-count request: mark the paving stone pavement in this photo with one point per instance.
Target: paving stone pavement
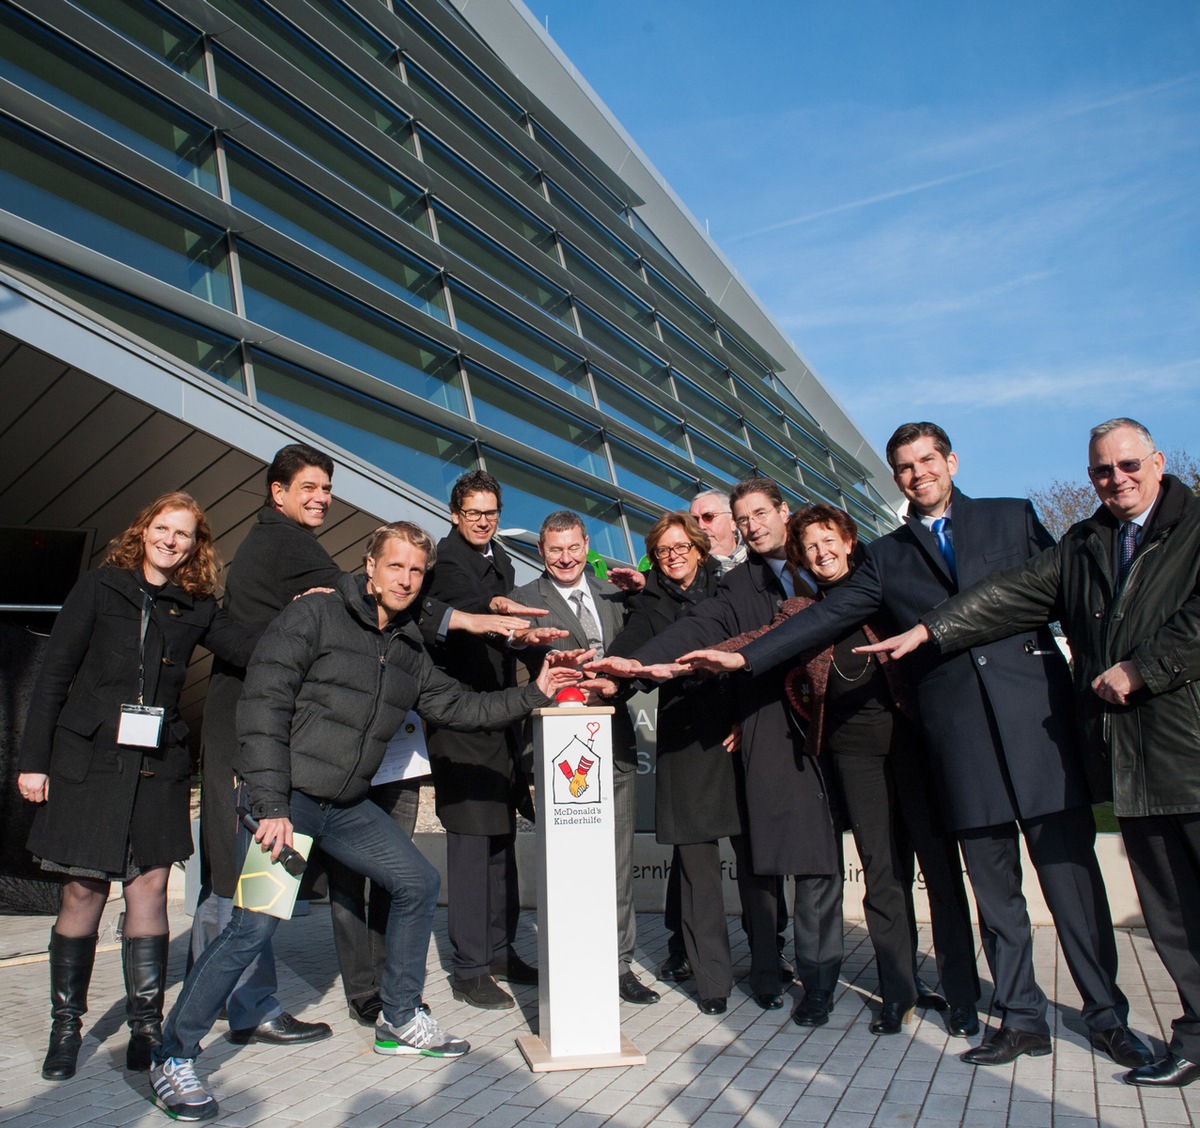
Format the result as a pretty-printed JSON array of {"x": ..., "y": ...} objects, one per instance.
[{"x": 749, "y": 1067}]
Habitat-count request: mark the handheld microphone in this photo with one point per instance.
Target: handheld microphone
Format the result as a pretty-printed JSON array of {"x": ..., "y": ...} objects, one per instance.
[{"x": 291, "y": 861}]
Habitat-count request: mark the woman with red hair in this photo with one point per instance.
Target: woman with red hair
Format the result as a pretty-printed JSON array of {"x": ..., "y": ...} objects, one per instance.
[{"x": 103, "y": 756}]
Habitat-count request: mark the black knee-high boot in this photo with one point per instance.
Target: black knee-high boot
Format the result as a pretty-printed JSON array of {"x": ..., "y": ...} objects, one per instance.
[
  {"x": 71, "y": 960},
  {"x": 144, "y": 960}
]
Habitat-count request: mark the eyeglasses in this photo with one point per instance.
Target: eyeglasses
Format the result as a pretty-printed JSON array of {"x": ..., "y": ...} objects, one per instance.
[
  {"x": 1126, "y": 466},
  {"x": 755, "y": 518},
  {"x": 668, "y": 550},
  {"x": 556, "y": 553},
  {"x": 709, "y": 518},
  {"x": 481, "y": 514}
]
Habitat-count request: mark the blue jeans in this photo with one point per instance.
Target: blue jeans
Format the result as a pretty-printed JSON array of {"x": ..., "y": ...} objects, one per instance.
[{"x": 364, "y": 838}]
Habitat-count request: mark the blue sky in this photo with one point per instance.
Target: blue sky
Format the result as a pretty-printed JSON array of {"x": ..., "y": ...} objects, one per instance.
[{"x": 983, "y": 214}]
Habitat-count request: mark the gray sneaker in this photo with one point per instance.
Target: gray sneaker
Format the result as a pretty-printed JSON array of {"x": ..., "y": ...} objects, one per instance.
[
  {"x": 421, "y": 1036},
  {"x": 178, "y": 1093}
]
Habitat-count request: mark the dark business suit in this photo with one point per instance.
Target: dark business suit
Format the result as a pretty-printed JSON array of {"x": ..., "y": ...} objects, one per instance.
[
  {"x": 475, "y": 774},
  {"x": 790, "y": 827},
  {"x": 611, "y": 612},
  {"x": 998, "y": 722}
]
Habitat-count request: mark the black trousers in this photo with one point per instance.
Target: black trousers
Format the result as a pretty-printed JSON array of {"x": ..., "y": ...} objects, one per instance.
[
  {"x": 483, "y": 904},
  {"x": 702, "y": 920},
  {"x": 1062, "y": 848},
  {"x": 358, "y": 908},
  {"x": 1164, "y": 856}
]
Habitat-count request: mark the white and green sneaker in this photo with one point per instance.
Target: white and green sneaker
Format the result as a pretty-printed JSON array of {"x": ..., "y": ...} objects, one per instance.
[
  {"x": 421, "y": 1036},
  {"x": 178, "y": 1093}
]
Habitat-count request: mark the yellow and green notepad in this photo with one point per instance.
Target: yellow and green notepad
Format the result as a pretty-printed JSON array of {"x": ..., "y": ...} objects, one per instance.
[{"x": 265, "y": 886}]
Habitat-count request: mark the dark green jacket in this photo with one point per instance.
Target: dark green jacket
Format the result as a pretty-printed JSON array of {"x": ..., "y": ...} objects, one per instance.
[{"x": 1148, "y": 751}]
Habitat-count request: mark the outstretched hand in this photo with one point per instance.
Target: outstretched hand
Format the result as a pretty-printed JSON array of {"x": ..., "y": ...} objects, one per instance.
[
  {"x": 615, "y": 667},
  {"x": 898, "y": 645},
  {"x": 555, "y": 676},
  {"x": 538, "y": 636},
  {"x": 627, "y": 579},
  {"x": 712, "y": 661},
  {"x": 502, "y": 605},
  {"x": 573, "y": 659}
]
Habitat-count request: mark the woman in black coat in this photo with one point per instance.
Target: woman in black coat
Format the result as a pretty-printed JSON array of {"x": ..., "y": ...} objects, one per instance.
[
  {"x": 697, "y": 786},
  {"x": 114, "y": 802}
]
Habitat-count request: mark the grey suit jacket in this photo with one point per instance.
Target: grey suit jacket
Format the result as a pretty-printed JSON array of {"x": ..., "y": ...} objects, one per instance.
[{"x": 610, "y": 604}]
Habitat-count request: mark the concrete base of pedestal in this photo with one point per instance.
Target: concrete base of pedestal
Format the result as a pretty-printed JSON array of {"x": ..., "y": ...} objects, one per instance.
[{"x": 537, "y": 1056}]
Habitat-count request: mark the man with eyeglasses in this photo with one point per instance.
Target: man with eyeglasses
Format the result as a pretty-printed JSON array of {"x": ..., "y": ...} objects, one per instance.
[
  {"x": 1125, "y": 584},
  {"x": 593, "y": 613},
  {"x": 478, "y": 780},
  {"x": 997, "y": 725}
]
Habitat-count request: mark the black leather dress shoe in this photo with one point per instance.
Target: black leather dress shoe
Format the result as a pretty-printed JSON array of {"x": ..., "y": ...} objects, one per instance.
[
  {"x": 1171, "y": 1071},
  {"x": 632, "y": 990},
  {"x": 282, "y": 1030},
  {"x": 929, "y": 999},
  {"x": 814, "y": 1009},
  {"x": 1007, "y": 1045},
  {"x": 513, "y": 969},
  {"x": 962, "y": 1023},
  {"x": 1123, "y": 1046},
  {"x": 892, "y": 1017},
  {"x": 482, "y": 991},
  {"x": 676, "y": 969},
  {"x": 769, "y": 1002},
  {"x": 712, "y": 1006},
  {"x": 366, "y": 1010}
]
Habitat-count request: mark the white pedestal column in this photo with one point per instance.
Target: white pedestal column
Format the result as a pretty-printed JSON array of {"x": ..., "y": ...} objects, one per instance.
[{"x": 579, "y": 1021}]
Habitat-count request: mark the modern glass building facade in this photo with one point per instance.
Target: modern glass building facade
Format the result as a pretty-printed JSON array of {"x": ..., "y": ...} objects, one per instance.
[{"x": 353, "y": 218}]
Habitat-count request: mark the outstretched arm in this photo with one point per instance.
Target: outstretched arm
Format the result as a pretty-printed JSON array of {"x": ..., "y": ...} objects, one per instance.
[{"x": 898, "y": 645}]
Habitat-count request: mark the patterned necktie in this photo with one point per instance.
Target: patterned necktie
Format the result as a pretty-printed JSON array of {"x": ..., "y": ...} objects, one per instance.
[
  {"x": 591, "y": 628},
  {"x": 1126, "y": 547},
  {"x": 941, "y": 530}
]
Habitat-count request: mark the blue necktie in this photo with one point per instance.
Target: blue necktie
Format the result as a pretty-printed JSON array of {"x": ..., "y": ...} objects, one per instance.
[
  {"x": 941, "y": 530},
  {"x": 1126, "y": 547}
]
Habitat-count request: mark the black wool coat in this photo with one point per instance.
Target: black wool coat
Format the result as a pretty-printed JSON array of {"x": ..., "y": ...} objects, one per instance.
[
  {"x": 791, "y": 828},
  {"x": 698, "y": 784},
  {"x": 474, "y": 773},
  {"x": 100, "y": 800},
  {"x": 999, "y": 718}
]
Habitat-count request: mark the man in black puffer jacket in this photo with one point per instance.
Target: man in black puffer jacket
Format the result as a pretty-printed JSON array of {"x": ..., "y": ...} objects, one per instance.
[
  {"x": 329, "y": 683},
  {"x": 1125, "y": 584}
]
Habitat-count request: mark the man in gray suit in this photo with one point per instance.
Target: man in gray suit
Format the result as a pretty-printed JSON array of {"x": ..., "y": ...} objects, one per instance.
[{"x": 594, "y": 613}]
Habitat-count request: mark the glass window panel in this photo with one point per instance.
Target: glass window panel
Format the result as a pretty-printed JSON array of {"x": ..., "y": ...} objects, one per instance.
[
  {"x": 491, "y": 326},
  {"x": 512, "y": 411},
  {"x": 408, "y": 14},
  {"x": 620, "y": 403},
  {"x": 83, "y": 87},
  {"x": 727, "y": 466},
  {"x": 369, "y": 38},
  {"x": 651, "y": 479},
  {"x": 772, "y": 458},
  {"x": 812, "y": 450},
  {"x": 78, "y": 199},
  {"x": 531, "y": 494},
  {"x": 547, "y": 141},
  {"x": 275, "y": 111},
  {"x": 178, "y": 44},
  {"x": 640, "y": 524},
  {"x": 708, "y": 408},
  {"x": 696, "y": 317},
  {"x": 643, "y": 229},
  {"x": 619, "y": 346},
  {"x": 298, "y": 306},
  {"x": 410, "y": 449},
  {"x": 625, "y": 300},
  {"x": 287, "y": 40},
  {"x": 470, "y": 122},
  {"x": 867, "y": 519},
  {"x": 194, "y": 344},
  {"x": 475, "y": 185},
  {"x": 847, "y": 474},
  {"x": 690, "y": 351},
  {"x": 470, "y": 243},
  {"x": 814, "y": 479},
  {"x": 315, "y": 223},
  {"x": 746, "y": 359},
  {"x": 618, "y": 249}
]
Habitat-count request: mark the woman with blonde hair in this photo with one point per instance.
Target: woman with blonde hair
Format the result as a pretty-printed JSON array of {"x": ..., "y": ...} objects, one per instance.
[{"x": 103, "y": 756}]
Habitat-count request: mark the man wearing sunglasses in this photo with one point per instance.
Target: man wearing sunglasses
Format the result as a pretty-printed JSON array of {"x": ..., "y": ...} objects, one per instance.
[{"x": 1125, "y": 584}]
